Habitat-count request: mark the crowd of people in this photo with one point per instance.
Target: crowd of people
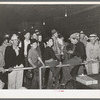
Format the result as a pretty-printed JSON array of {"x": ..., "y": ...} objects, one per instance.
[{"x": 31, "y": 50}]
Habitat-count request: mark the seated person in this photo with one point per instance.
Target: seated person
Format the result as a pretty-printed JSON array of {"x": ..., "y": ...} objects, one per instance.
[
  {"x": 77, "y": 56},
  {"x": 51, "y": 60}
]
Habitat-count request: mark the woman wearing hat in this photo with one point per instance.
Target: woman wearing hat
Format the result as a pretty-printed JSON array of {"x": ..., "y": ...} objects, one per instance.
[{"x": 14, "y": 59}]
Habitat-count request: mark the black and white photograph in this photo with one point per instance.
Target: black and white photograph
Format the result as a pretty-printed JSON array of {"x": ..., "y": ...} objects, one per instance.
[{"x": 50, "y": 47}]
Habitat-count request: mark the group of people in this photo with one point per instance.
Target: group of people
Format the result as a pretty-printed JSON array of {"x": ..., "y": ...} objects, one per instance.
[{"x": 31, "y": 50}]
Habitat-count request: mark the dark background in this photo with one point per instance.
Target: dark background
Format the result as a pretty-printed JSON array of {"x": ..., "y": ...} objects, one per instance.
[{"x": 14, "y": 18}]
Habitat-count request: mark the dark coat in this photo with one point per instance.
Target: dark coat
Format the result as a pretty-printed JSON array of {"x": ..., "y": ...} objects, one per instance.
[{"x": 11, "y": 59}]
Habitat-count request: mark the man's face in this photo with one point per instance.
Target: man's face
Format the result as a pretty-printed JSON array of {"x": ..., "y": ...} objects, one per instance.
[
  {"x": 93, "y": 40},
  {"x": 82, "y": 36},
  {"x": 39, "y": 38},
  {"x": 50, "y": 42},
  {"x": 56, "y": 34},
  {"x": 15, "y": 42},
  {"x": 34, "y": 36},
  {"x": 27, "y": 36},
  {"x": 6, "y": 41},
  {"x": 34, "y": 45},
  {"x": 73, "y": 41}
]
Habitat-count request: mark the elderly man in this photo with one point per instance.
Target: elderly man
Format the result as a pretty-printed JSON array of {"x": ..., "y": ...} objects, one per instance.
[
  {"x": 92, "y": 51},
  {"x": 77, "y": 56}
]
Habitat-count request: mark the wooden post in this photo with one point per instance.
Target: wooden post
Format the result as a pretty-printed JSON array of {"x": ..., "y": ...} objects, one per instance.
[{"x": 40, "y": 78}]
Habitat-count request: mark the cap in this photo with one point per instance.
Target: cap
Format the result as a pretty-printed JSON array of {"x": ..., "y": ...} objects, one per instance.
[
  {"x": 37, "y": 31},
  {"x": 74, "y": 35},
  {"x": 92, "y": 36},
  {"x": 81, "y": 32},
  {"x": 53, "y": 31}
]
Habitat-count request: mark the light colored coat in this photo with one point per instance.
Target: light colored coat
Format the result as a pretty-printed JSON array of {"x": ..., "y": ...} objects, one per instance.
[{"x": 92, "y": 51}]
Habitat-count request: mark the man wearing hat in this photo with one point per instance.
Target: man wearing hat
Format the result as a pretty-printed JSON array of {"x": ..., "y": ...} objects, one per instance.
[
  {"x": 77, "y": 56},
  {"x": 92, "y": 51},
  {"x": 14, "y": 59}
]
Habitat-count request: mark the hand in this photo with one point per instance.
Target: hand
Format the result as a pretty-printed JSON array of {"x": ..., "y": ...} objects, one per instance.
[
  {"x": 29, "y": 70},
  {"x": 70, "y": 52},
  {"x": 34, "y": 66},
  {"x": 2, "y": 70},
  {"x": 10, "y": 69},
  {"x": 43, "y": 65}
]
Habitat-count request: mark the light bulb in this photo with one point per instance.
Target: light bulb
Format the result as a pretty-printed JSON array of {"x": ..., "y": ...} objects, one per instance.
[
  {"x": 31, "y": 27},
  {"x": 43, "y": 23},
  {"x": 65, "y": 14}
]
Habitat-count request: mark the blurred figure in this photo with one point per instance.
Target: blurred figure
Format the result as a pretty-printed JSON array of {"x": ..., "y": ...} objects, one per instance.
[
  {"x": 83, "y": 38},
  {"x": 55, "y": 44}
]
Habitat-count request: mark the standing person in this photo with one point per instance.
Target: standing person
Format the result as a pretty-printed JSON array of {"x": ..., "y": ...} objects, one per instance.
[
  {"x": 41, "y": 44},
  {"x": 55, "y": 44},
  {"x": 92, "y": 52},
  {"x": 36, "y": 62},
  {"x": 41, "y": 49},
  {"x": 78, "y": 55},
  {"x": 14, "y": 59},
  {"x": 51, "y": 60},
  {"x": 24, "y": 45}
]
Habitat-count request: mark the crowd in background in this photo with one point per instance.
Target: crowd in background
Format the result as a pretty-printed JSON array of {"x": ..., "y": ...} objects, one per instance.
[{"x": 31, "y": 50}]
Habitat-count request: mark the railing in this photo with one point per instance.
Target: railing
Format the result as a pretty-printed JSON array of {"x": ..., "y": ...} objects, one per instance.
[{"x": 40, "y": 74}]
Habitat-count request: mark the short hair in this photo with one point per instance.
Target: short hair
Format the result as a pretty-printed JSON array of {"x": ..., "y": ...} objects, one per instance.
[{"x": 33, "y": 41}]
